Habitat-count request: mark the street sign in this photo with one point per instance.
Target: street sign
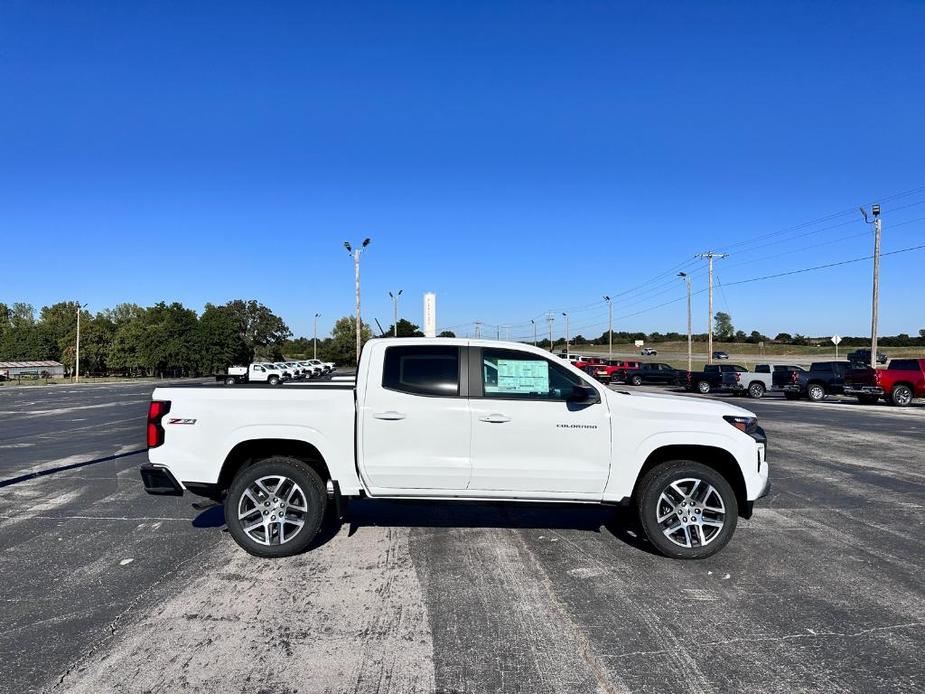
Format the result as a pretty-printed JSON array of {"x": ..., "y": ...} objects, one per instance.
[
  {"x": 836, "y": 339},
  {"x": 640, "y": 343}
]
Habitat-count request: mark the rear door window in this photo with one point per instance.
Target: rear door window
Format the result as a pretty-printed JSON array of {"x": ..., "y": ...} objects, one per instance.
[{"x": 424, "y": 370}]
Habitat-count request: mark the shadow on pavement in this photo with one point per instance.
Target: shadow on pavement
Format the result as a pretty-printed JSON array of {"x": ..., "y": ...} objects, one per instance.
[{"x": 64, "y": 468}]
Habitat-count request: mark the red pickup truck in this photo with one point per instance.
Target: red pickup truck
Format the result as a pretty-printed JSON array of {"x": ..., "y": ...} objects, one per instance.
[
  {"x": 900, "y": 382},
  {"x": 611, "y": 370}
]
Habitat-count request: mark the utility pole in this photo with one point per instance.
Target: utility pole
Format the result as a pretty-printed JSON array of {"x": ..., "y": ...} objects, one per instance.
[
  {"x": 356, "y": 269},
  {"x": 549, "y": 319},
  {"x": 710, "y": 255},
  {"x": 498, "y": 335},
  {"x": 478, "y": 329},
  {"x": 315, "y": 337},
  {"x": 395, "y": 311},
  {"x": 534, "y": 331},
  {"x": 687, "y": 281},
  {"x": 77, "y": 355},
  {"x": 567, "y": 352},
  {"x": 875, "y": 299},
  {"x": 609, "y": 327}
]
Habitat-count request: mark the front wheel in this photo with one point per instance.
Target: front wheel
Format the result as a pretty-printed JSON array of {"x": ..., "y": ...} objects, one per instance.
[
  {"x": 273, "y": 380},
  {"x": 230, "y": 381},
  {"x": 274, "y": 507},
  {"x": 755, "y": 390},
  {"x": 636, "y": 380},
  {"x": 816, "y": 392},
  {"x": 901, "y": 395},
  {"x": 687, "y": 510},
  {"x": 703, "y": 387}
]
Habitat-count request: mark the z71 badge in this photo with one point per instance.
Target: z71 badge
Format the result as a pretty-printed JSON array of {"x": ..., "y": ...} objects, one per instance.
[{"x": 178, "y": 420}]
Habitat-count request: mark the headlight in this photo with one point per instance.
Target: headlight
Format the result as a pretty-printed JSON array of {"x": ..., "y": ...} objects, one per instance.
[{"x": 747, "y": 425}]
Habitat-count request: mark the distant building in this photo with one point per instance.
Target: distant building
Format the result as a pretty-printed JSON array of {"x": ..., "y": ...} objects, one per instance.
[
  {"x": 14, "y": 369},
  {"x": 430, "y": 315}
]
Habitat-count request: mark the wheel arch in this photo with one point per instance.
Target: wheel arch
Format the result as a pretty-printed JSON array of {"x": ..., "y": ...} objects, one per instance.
[
  {"x": 718, "y": 459},
  {"x": 248, "y": 452}
]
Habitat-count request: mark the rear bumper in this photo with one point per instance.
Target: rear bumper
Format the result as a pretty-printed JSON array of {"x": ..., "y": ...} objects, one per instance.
[
  {"x": 791, "y": 389},
  {"x": 863, "y": 390},
  {"x": 159, "y": 480}
]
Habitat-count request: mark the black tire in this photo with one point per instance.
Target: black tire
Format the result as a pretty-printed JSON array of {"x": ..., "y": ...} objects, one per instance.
[
  {"x": 868, "y": 399},
  {"x": 636, "y": 380},
  {"x": 649, "y": 505},
  {"x": 313, "y": 490},
  {"x": 815, "y": 392},
  {"x": 273, "y": 380},
  {"x": 791, "y": 396},
  {"x": 901, "y": 395},
  {"x": 703, "y": 387},
  {"x": 230, "y": 381},
  {"x": 755, "y": 390}
]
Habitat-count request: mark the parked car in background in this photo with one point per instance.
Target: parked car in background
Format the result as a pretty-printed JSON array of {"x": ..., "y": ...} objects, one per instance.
[
  {"x": 612, "y": 370},
  {"x": 860, "y": 358},
  {"x": 288, "y": 371},
  {"x": 648, "y": 352},
  {"x": 783, "y": 376},
  {"x": 258, "y": 372},
  {"x": 899, "y": 383},
  {"x": 711, "y": 378},
  {"x": 587, "y": 361},
  {"x": 753, "y": 383},
  {"x": 327, "y": 366},
  {"x": 720, "y": 355},
  {"x": 823, "y": 378},
  {"x": 653, "y": 373}
]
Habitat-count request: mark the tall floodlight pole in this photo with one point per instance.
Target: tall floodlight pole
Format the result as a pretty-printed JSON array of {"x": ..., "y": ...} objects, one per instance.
[
  {"x": 478, "y": 329},
  {"x": 534, "y": 331},
  {"x": 687, "y": 281},
  {"x": 315, "y": 337},
  {"x": 80, "y": 307},
  {"x": 609, "y": 327},
  {"x": 549, "y": 320},
  {"x": 875, "y": 299},
  {"x": 356, "y": 270},
  {"x": 567, "y": 351},
  {"x": 395, "y": 311},
  {"x": 710, "y": 255}
]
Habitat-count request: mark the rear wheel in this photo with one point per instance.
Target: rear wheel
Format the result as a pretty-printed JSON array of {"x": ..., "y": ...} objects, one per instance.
[
  {"x": 687, "y": 510},
  {"x": 230, "y": 381},
  {"x": 703, "y": 387},
  {"x": 636, "y": 380},
  {"x": 273, "y": 380},
  {"x": 868, "y": 399},
  {"x": 815, "y": 392},
  {"x": 901, "y": 395},
  {"x": 274, "y": 507},
  {"x": 755, "y": 390}
]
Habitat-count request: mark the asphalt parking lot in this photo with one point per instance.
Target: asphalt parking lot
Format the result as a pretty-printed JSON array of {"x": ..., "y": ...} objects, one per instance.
[{"x": 108, "y": 589}]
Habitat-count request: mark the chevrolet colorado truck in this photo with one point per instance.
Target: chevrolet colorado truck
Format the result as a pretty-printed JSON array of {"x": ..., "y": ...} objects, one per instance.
[
  {"x": 711, "y": 378},
  {"x": 452, "y": 419}
]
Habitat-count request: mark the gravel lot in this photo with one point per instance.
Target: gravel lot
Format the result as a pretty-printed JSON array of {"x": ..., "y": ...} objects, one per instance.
[{"x": 108, "y": 589}]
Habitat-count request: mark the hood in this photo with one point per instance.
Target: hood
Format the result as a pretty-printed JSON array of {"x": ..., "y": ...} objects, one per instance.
[{"x": 681, "y": 404}]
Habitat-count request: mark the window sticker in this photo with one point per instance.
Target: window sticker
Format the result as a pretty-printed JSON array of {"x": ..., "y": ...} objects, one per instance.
[{"x": 518, "y": 376}]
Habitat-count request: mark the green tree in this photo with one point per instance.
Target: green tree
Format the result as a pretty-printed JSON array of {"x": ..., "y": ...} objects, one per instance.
[
  {"x": 125, "y": 350},
  {"x": 722, "y": 326},
  {"x": 784, "y": 338},
  {"x": 341, "y": 348},
  {"x": 450, "y": 333},
  {"x": 262, "y": 331},
  {"x": 218, "y": 340},
  {"x": 405, "y": 329}
]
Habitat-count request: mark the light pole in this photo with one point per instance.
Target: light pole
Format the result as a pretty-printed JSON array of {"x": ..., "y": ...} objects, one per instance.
[
  {"x": 875, "y": 300},
  {"x": 549, "y": 320},
  {"x": 77, "y": 351},
  {"x": 394, "y": 298},
  {"x": 534, "y": 331},
  {"x": 609, "y": 327},
  {"x": 567, "y": 351},
  {"x": 356, "y": 269},
  {"x": 687, "y": 281},
  {"x": 315, "y": 337}
]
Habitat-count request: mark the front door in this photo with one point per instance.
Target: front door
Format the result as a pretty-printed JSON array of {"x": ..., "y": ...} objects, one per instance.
[
  {"x": 416, "y": 426},
  {"x": 526, "y": 434}
]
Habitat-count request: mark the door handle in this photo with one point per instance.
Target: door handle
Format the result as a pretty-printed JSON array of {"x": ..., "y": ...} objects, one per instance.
[
  {"x": 390, "y": 415},
  {"x": 495, "y": 419}
]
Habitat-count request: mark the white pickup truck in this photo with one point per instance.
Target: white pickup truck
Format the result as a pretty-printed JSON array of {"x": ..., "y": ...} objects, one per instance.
[
  {"x": 261, "y": 372},
  {"x": 456, "y": 419}
]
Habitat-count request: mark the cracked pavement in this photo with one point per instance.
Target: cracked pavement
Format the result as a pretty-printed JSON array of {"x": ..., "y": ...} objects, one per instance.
[{"x": 108, "y": 589}]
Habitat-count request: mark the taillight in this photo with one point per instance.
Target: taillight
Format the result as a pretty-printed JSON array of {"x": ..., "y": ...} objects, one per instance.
[
  {"x": 156, "y": 411},
  {"x": 738, "y": 377},
  {"x": 794, "y": 378}
]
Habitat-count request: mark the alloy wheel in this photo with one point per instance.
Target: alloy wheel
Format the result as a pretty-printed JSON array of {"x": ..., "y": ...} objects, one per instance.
[
  {"x": 690, "y": 512},
  {"x": 272, "y": 510}
]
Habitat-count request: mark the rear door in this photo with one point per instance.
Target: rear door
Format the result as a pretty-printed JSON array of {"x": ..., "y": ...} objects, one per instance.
[
  {"x": 526, "y": 435},
  {"x": 415, "y": 420}
]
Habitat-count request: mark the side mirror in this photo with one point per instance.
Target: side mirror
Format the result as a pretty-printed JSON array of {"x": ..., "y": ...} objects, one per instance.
[{"x": 583, "y": 395}]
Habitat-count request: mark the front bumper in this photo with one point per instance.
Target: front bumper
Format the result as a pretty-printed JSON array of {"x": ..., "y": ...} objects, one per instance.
[
  {"x": 159, "y": 480},
  {"x": 863, "y": 390}
]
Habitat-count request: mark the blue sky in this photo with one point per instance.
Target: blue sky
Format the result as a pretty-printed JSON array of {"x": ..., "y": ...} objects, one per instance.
[{"x": 511, "y": 157}]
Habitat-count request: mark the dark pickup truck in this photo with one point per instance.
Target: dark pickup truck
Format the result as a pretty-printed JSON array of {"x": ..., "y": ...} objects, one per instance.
[
  {"x": 711, "y": 378},
  {"x": 900, "y": 382},
  {"x": 823, "y": 378},
  {"x": 653, "y": 373}
]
